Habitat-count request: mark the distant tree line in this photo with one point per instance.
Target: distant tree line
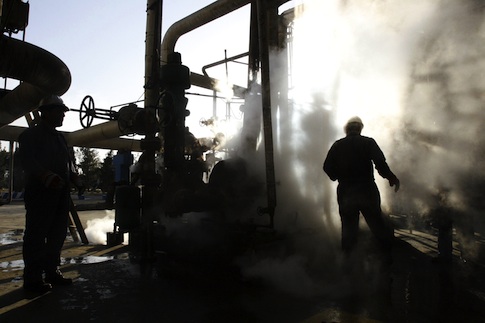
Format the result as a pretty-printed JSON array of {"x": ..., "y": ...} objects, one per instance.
[{"x": 96, "y": 174}]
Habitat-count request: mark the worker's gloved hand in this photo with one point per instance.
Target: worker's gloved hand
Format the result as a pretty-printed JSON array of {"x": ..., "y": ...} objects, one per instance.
[
  {"x": 395, "y": 182},
  {"x": 54, "y": 181}
]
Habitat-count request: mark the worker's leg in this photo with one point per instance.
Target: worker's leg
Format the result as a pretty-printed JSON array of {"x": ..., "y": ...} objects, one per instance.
[
  {"x": 371, "y": 210},
  {"x": 349, "y": 215},
  {"x": 59, "y": 208},
  {"x": 37, "y": 222}
]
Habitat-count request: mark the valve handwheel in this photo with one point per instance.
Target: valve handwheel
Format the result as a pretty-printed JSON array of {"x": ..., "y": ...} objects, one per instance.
[{"x": 87, "y": 111}]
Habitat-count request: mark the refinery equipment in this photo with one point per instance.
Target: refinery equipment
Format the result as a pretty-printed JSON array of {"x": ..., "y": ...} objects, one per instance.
[
  {"x": 171, "y": 178},
  {"x": 184, "y": 190},
  {"x": 258, "y": 203}
]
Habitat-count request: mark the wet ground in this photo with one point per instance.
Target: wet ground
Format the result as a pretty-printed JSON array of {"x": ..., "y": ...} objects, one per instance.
[{"x": 313, "y": 285}]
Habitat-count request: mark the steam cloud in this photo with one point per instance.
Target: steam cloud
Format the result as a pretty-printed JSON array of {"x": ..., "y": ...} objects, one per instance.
[
  {"x": 412, "y": 70},
  {"x": 97, "y": 228}
]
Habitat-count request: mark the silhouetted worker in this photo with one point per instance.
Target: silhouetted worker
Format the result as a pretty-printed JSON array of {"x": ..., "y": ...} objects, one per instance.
[
  {"x": 349, "y": 161},
  {"x": 45, "y": 158}
]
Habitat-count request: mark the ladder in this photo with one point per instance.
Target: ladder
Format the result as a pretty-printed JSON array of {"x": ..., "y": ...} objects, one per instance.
[{"x": 75, "y": 225}]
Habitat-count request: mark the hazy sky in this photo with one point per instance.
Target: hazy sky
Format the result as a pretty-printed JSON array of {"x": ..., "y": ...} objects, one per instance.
[{"x": 103, "y": 45}]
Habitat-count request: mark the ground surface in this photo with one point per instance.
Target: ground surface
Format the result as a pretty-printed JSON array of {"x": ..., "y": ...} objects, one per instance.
[{"x": 285, "y": 286}]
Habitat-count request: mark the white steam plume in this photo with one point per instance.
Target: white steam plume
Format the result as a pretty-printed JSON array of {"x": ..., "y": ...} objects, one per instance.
[
  {"x": 97, "y": 228},
  {"x": 412, "y": 70}
]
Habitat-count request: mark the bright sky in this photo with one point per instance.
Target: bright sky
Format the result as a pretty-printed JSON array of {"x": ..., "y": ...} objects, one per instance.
[{"x": 103, "y": 45}]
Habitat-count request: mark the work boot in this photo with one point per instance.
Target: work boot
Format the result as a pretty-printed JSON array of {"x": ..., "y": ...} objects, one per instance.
[
  {"x": 38, "y": 287},
  {"x": 56, "y": 278}
]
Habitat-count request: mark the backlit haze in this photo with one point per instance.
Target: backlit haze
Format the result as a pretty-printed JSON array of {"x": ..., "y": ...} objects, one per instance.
[{"x": 409, "y": 69}]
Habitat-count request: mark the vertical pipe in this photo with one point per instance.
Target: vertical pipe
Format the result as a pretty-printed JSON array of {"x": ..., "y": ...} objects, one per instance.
[
  {"x": 252, "y": 110},
  {"x": 214, "y": 104},
  {"x": 150, "y": 144},
  {"x": 228, "y": 104},
  {"x": 266, "y": 107},
  {"x": 254, "y": 56},
  {"x": 152, "y": 53}
]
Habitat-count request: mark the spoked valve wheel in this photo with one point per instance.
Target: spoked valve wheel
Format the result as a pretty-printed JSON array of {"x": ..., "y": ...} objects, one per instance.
[{"x": 87, "y": 111}]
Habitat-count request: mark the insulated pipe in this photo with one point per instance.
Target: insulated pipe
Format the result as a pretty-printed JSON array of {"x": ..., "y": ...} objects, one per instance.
[
  {"x": 41, "y": 73},
  {"x": 107, "y": 130},
  {"x": 11, "y": 133},
  {"x": 195, "y": 20},
  {"x": 116, "y": 144}
]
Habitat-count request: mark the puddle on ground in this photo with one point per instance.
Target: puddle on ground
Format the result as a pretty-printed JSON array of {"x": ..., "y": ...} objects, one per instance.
[
  {"x": 85, "y": 260},
  {"x": 11, "y": 237},
  {"x": 14, "y": 265}
]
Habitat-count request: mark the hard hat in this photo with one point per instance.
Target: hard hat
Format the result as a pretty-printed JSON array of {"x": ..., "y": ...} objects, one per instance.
[
  {"x": 51, "y": 102},
  {"x": 355, "y": 120},
  {"x": 354, "y": 125}
]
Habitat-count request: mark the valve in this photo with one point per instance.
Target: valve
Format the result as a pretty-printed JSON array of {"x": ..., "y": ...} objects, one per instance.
[{"x": 87, "y": 112}]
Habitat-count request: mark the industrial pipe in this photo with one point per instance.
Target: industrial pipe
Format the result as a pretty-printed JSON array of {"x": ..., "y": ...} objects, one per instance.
[
  {"x": 41, "y": 73},
  {"x": 195, "y": 20},
  {"x": 263, "y": 28},
  {"x": 115, "y": 144},
  {"x": 11, "y": 133},
  {"x": 207, "y": 82},
  {"x": 107, "y": 130}
]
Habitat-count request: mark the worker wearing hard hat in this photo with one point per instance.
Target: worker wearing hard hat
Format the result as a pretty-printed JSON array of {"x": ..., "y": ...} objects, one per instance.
[
  {"x": 349, "y": 161},
  {"x": 45, "y": 158}
]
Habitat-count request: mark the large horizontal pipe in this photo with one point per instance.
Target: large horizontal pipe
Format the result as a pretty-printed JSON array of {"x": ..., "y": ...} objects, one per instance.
[
  {"x": 11, "y": 133},
  {"x": 103, "y": 131},
  {"x": 41, "y": 73},
  {"x": 115, "y": 144}
]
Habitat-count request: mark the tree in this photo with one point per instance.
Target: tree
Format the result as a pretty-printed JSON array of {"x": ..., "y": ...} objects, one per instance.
[
  {"x": 89, "y": 165},
  {"x": 106, "y": 172}
]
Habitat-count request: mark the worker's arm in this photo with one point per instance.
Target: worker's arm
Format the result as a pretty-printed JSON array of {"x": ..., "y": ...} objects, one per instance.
[
  {"x": 330, "y": 164},
  {"x": 382, "y": 167}
]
